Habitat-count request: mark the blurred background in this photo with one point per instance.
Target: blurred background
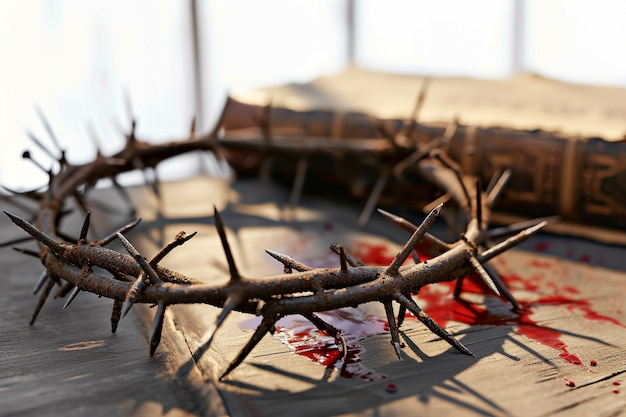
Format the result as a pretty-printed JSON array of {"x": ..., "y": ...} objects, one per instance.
[{"x": 89, "y": 66}]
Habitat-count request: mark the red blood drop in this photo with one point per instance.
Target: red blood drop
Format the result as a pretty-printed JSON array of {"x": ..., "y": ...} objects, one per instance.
[
  {"x": 391, "y": 388},
  {"x": 593, "y": 362},
  {"x": 570, "y": 383},
  {"x": 615, "y": 391},
  {"x": 616, "y": 383}
]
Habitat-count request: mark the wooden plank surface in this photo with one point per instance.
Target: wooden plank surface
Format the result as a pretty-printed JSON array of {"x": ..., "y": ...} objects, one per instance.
[{"x": 68, "y": 363}]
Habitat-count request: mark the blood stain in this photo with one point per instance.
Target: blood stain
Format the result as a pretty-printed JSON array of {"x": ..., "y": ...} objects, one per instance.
[
  {"x": 442, "y": 306},
  {"x": 616, "y": 383},
  {"x": 570, "y": 383},
  {"x": 391, "y": 388},
  {"x": 593, "y": 363}
]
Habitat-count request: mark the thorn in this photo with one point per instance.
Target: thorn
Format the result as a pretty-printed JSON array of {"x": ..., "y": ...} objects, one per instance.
[
  {"x": 510, "y": 242},
  {"x": 180, "y": 239},
  {"x": 234, "y": 273},
  {"x": 157, "y": 328},
  {"x": 450, "y": 164},
  {"x": 503, "y": 289},
  {"x": 479, "y": 203},
  {"x": 41, "y": 281},
  {"x": 393, "y": 328},
  {"x": 145, "y": 266},
  {"x": 407, "y": 226},
  {"x": 484, "y": 275},
  {"x": 342, "y": 259},
  {"x": 372, "y": 199},
  {"x": 351, "y": 259},
  {"x": 116, "y": 315},
  {"x": 394, "y": 266},
  {"x": 431, "y": 324},
  {"x": 288, "y": 261},
  {"x": 517, "y": 227},
  {"x": 333, "y": 332},
  {"x": 27, "y": 155},
  {"x": 42, "y": 299},
  {"x": 123, "y": 230},
  {"x": 41, "y": 146},
  {"x": 494, "y": 192},
  {"x": 132, "y": 293},
  {"x": 71, "y": 297},
  {"x": 37, "y": 234},
  {"x": 85, "y": 229},
  {"x": 50, "y": 132},
  {"x": 26, "y": 251}
]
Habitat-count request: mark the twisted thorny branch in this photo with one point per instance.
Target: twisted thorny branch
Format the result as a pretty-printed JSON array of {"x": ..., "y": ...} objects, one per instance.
[{"x": 131, "y": 279}]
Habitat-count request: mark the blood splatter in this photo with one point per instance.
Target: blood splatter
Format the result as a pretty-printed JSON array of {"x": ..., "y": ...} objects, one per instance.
[
  {"x": 306, "y": 340},
  {"x": 439, "y": 302},
  {"x": 593, "y": 363},
  {"x": 391, "y": 388},
  {"x": 616, "y": 383},
  {"x": 570, "y": 383},
  {"x": 542, "y": 246}
]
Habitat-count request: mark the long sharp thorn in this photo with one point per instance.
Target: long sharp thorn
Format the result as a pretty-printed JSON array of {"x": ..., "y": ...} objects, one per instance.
[
  {"x": 85, "y": 229},
  {"x": 431, "y": 324},
  {"x": 41, "y": 281},
  {"x": 484, "y": 275},
  {"x": 372, "y": 199},
  {"x": 394, "y": 266},
  {"x": 512, "y": 229},
  {"x": 37, "y": 234},
  {"x": 503, "y": 289},
  {"x": 219, "y": 225},
  {"x": 332, "y": 331},
  {"x": 48, "y": 128},
  {"x": 42, "y": 299},
  {"x": 157, "y": 328},
  {"x": 288, "y": 261},
  {"x": 116, "y": 315},
  {"x": 40, "y": 145},
  {"x": 350, "y": 258},
  {"x": 71, "y": 297},
  {"x": 509, "y": 243},
  {"x": 27, "y": 155},
  {"x": 266, "y": 325},
  {"x": 407, "y": 226},
  {"x": 498, "y": 186},
  {"x": 132, "y": 293},
  {"x": 145, "y": 266},
  {"x": 123, "y": 230},
  {"x": 27, "y": 251},
  {"x": 393, "y": 328}
]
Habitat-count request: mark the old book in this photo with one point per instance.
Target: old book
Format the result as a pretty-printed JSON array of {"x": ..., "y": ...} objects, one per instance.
[{"x": 563, "y": 142}]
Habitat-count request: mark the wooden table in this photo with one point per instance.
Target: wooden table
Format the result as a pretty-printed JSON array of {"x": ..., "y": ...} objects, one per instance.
[{"x": 564, "y": 356}]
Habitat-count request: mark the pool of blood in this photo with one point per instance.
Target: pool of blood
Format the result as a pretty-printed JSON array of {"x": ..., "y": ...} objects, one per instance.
[{"x": 439, "y": 302}]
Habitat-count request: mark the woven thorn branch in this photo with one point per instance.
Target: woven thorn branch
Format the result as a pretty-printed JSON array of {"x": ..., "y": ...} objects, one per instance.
[{"x": 71, "y": 263}]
